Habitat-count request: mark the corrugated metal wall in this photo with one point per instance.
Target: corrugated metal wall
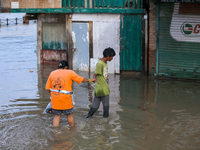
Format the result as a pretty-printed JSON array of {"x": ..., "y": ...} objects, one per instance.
[
  {"x": 131, "y": 43},
  {"x": 54, "y": 36},
  {"x": 178, "y": 45}
]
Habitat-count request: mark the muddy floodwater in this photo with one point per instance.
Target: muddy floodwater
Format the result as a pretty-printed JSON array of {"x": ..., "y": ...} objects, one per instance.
[{"x": 145, "y": 113}]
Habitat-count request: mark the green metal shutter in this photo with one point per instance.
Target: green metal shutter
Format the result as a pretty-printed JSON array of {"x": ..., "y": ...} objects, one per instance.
[
  {"x": 178, "y": 56},
  {"x": 131, "y": 43}
]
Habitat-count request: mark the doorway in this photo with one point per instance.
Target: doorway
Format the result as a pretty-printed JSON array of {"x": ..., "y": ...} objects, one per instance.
[{"x": 80, "y": 50}]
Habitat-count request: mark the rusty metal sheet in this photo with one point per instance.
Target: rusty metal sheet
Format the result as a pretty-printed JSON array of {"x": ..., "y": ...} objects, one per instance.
[{"x": 52, "y": 56}]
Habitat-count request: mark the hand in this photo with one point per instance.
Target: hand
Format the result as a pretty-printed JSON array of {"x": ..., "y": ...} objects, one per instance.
[{"x": 94, "y": 80}]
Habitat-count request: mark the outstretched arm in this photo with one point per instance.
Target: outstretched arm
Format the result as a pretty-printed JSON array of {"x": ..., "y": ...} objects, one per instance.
[
  {"x": 49, "y": 91},
  {"x": 88, "y": 80}
]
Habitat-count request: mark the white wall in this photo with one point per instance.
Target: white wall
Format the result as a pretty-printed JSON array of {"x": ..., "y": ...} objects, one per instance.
[{"x": 106, "y": 33}]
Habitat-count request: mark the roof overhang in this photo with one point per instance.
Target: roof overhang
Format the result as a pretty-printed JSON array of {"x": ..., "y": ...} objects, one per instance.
[{"x": 82, "y": 10}]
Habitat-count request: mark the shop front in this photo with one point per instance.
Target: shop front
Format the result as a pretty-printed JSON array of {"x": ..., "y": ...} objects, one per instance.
[{"x": 178, "y": 40}]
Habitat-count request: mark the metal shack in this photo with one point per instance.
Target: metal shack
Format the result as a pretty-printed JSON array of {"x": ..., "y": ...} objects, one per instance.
[{"x": 79, "y": 31}]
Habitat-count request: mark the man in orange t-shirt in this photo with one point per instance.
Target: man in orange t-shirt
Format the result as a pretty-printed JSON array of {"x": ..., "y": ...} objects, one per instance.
[{"x": 59, "y": 85}]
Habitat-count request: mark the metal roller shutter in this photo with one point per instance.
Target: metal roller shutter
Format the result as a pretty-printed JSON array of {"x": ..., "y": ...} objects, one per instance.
[{"x": 179, "y": 40}]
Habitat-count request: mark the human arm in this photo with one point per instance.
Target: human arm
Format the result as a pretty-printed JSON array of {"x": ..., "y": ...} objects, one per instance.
[
  {"x": 79, "y": 79},
  {"x": 89, "y": 80},
  {"x": 49, "y": 91},
  {"x": 48, "y": 85}
]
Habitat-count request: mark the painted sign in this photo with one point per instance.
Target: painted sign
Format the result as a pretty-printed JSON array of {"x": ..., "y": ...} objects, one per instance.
[
  {"x": 185, "y": 27},
  {"x": 190, "y": 29}
]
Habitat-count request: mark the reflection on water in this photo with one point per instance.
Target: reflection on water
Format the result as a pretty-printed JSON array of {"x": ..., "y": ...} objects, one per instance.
[{"x": 145, "y": 113}]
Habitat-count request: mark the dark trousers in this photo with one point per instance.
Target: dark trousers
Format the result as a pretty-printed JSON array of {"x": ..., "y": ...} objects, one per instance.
[{"x": 96, "y": 103}]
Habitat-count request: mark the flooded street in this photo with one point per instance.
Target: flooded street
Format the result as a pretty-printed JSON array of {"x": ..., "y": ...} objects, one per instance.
[{"x": 145, "y": 113}]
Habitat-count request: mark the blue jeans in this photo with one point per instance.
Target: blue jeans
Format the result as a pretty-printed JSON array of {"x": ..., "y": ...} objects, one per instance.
[{"x": 95, "y": 106}]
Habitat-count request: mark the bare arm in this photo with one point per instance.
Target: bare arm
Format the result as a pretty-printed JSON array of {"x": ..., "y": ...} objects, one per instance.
[
  {"x": 49, "y": 91},
  {"x": 88, "y": 80}
]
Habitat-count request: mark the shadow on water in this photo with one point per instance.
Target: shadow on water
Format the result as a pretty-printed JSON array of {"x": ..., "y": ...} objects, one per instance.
[{"x": 145, "y": 113}]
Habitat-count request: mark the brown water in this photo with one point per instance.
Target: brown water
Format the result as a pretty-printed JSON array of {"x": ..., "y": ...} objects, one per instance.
[{"x": 145, "y": 113}]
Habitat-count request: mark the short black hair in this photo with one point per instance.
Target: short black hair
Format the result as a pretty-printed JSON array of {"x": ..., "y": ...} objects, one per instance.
[
  {"x": 63, "y": 64},
  {"x": 108, "y": 52}
]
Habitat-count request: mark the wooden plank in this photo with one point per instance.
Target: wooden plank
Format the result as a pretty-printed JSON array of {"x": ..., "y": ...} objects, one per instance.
[
  {"x": 88, "y": 4},
  {"x": 64, "y": 3},
  {"x": 118, "y": 4},
  {"x": 83, "y": 10},
  {"x": 91, "y": 38},
  {"x": 69, "y": 4},
  {"x": 93, "y": 3},
  {"x": 128, "y": 3},
  {"x": 107, "y": 4},
  {"x": 69, "y": 40},
  {"x": 131, "y": 43},
  {"x": 140, "y": 4},
  {"x": 90, "y": 42},
  {"x": 133, "y": 4},
  {"x": 52, "y": 56},
  {"x": 79, "y": 3},
  {"x": 113, "y": 4},
  {"x": 97, "y": 3},
  {"x": 74, "y": 4}
]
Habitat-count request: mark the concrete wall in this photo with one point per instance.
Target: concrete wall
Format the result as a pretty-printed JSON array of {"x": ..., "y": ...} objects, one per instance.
[
  {"x": 152, "y": 38},
  {"x": 33, "y": 3},
  {"x": 106, "y": 33}
]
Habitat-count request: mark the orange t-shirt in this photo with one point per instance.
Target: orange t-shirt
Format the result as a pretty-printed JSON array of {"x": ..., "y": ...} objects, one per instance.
[{"x": 62, "y": 79}]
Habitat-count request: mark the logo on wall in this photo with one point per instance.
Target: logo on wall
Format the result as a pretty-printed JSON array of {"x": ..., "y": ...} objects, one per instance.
[
  {"x": 185, "y": 25},
  {"x": 190, "y": 29}
]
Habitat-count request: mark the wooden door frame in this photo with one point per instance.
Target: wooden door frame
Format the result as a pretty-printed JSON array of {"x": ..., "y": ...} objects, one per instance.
[{"x": 69, "y": 39}]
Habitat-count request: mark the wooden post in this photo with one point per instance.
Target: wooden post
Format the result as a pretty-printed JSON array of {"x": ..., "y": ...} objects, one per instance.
[
  {"x": 16, "y": 21},
  {"x": 90, "y": 43},
  {"x": 64, "y": 5},
  {"x": 146, "y": 43},
  {"x": 7, "y": 21},
  {"x": 85, "y": 6},
  {"x": 0, "y": 22},
  {"x": 69, "y": 40}
]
